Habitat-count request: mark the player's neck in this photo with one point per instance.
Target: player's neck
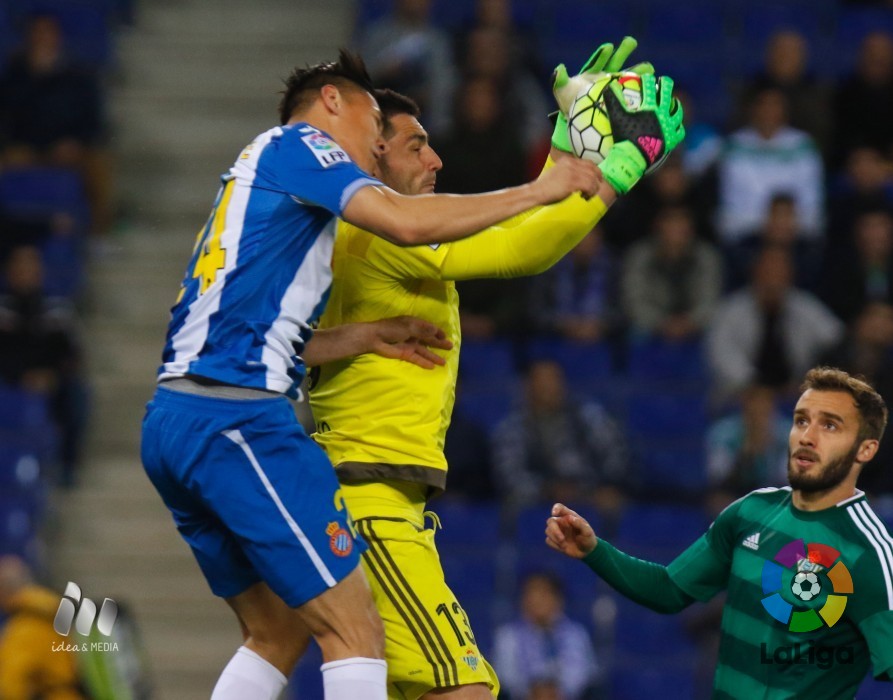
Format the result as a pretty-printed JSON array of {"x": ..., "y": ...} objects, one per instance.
[{"x": 820, "y": 500}]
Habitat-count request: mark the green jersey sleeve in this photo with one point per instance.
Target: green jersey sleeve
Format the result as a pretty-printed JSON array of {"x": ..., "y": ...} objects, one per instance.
[{"x": 703, "y": 569}]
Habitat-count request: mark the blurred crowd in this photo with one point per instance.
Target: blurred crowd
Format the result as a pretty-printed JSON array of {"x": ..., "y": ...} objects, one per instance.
[
  {"x": 761, "y": 248},
  {"x": 655, "y": 364}
]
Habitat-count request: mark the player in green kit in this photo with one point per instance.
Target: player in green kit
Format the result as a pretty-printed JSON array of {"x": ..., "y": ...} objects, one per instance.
[{"x": 808, "y": 567}]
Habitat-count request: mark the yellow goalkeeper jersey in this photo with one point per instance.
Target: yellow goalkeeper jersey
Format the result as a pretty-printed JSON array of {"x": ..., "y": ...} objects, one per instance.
[{"x": 379, "y": 418}]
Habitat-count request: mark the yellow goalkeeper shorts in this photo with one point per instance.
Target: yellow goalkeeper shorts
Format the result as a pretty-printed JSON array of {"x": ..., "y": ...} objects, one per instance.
[{"x": 428, "y": 639}]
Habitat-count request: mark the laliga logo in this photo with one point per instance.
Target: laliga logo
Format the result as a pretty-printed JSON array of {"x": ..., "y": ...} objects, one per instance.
[
  {"x": 85, "y": 612},
  {"x": 806, "y": 584}
]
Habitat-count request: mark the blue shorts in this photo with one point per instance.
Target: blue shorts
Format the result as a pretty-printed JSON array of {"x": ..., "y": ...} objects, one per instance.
[{"x": 255, "y": 498}]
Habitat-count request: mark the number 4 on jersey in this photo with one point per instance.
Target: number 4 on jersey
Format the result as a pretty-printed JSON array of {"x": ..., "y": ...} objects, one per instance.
[{"x": 212, "y": 257}]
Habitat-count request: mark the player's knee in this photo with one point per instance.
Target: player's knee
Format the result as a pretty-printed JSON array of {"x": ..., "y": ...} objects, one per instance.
[{"x": 358, "y": 633}]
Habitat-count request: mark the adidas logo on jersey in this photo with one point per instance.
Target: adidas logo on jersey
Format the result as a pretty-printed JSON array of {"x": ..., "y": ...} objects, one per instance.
[{"x": 752, "y": 542}]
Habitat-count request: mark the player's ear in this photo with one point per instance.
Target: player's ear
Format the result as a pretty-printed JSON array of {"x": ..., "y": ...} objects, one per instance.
[
  {"x": 867, "y": 450},
  {"x": 332, "y": 98}
]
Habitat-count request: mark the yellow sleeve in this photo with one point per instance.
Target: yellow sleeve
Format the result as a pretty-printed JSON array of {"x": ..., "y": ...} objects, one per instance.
[{"x": 526, "y": 244}]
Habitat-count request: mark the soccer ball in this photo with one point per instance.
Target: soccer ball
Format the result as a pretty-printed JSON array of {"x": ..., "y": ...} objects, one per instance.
[
  {"x": 588, "y": 125},
  {"x": 806, "y": 585}
]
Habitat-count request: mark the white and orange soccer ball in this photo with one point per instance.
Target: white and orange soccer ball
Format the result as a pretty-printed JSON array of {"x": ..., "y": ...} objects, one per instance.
[{"x": 589, "y": 127}]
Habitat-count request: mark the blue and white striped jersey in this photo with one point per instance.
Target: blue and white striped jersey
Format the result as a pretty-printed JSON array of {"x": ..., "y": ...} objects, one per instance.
[{"x": 261, "y": 268}]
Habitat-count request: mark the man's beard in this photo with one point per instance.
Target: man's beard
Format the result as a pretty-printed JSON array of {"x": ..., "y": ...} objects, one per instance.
[{"x": 832, "y": 474}]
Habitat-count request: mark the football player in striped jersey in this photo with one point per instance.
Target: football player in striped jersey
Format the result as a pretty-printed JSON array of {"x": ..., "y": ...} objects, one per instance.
[
  {"x": 808, "y": 568},
  {"x": 253, "y": 496}
]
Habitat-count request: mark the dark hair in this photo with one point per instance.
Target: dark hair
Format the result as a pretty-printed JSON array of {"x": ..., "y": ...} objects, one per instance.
[
  {"x": 552, "y": 581},
  {"x": 392, "y": 103},
  {"x": 348, "y": 72},
  {"x": 871, "y": 406}
]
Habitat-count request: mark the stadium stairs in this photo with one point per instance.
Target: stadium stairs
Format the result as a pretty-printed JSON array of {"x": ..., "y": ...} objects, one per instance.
[{"x": 198, "y": 79}]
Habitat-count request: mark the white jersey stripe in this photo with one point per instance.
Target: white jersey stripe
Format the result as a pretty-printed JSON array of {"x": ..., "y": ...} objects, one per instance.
[
  {"x": 884, "y": 534},
  {"x": 314, "y": 273},
  {"x": 236, "y": 437},
  {"x": 883, "y": 549}
]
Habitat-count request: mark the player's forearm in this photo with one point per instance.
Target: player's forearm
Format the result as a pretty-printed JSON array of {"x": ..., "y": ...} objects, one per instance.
[
  {"x": 338, "y": 343},
  {"x": 643, "y": 582},
  {"x": 526, "y": 245},
  {"x": 441, "y": 218}
]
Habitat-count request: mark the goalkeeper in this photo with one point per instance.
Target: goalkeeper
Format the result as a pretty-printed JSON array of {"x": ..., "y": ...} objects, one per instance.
[{"x": 383, "y": 423}]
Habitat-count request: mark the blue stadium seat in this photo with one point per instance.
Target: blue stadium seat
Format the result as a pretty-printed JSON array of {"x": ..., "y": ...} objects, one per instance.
[
  {"x": 671, "y": 465},
  {"x": 855, "y": 23},
  {"x": 683, "y": 24},
  {"x": 485, "y": 405},
  {"x": 23, "y": 411},
  {"x": 582, "y": 362},
  {"x": 671, "y": 527},
  {"x": 486, "y": 360},
  {"x": 654, "y": 358},
  {"x": 38, "y": 192},
  {"x": 646, "y": 677},
  {"x": 671, "y": 411},
  {"x": 63, "y": 258},
  {"x": 641, "y": 631},
  {"x": 469, "y": 524}
]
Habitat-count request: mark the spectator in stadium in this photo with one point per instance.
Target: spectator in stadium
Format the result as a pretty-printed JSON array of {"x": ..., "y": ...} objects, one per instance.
[
  {"x": 34, "y": 662},
  {"x": 863, "y": 272},
  {"x": 503, "y": 16},
  {"x": 748, "y": 448},
  {"x": 40, "y": 351},
  {"x": 703, "y": 143},
  {"x": 553, "y": 446},
  {"x": 52, "y": 113},
  {"x": 483, "y": 147},
  {"x": 781, "y": 228},
  {"x": 408, "y": 53},
  {"x": 769, "y": 332},
  {"x": 785, "y": 68},
  {"x": 867, "y": 350},
  {"x": 488, "y": 54},
  {"x": 863, "y": 104},
  {"x": 865, "y": 184},
  {"x": 670, "y": 186},
  {"x": 543, "y": 647},
  {"x": 577, "y": 299},
  {"x": 838, "y": 422},
  {"x": 671, "y": 281},
  {"x": 765, "y": 158}
]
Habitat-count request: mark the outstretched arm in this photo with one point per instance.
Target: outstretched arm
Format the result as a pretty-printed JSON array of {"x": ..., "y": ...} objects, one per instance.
[
  {"x": 440, "y": 218},
  {"x": 400, "y": 338},
  {"x": 531, "y": 242},
  {"x": 643, "y": 582}
]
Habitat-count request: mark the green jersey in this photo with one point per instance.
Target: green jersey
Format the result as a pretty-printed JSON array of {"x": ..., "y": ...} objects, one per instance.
[{"x": 810, "y": 595}]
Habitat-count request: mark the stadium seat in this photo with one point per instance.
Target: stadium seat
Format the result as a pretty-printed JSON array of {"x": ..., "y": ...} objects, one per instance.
[
  {"x": 671, "y": 411},
  {"x": 41, "y": 192},
  {"x": 654, "y": 358},
  {"x": 486, "y": 360},
  {"x": 641, "y": 631},
  {"x": 23, "y": 411},
  {"x": 683, "y": 24},
  {"x": 674, "y": 527},
  {"x": 645, "y": 677},
  {"x": 582, "y": 362},
  {"x": 467, "y": 523},
  {"x": 485, "y": 405},
  {"x": 671, "y": 466}
]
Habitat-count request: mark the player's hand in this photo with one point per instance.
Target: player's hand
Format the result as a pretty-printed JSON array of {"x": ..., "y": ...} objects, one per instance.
[
  {"x": 643, "y": 136},
  {"x": 569, "y": 533},
  {"x": 408, "y": 339},
  {"x": 605, "y": 59},
  {"x": 569, "y": 175}
]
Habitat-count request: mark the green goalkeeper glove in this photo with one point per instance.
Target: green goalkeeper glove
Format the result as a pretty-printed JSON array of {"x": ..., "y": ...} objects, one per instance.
[
  {"x": 643, "y": 137},
  {"x": 604, "y": 60}
]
